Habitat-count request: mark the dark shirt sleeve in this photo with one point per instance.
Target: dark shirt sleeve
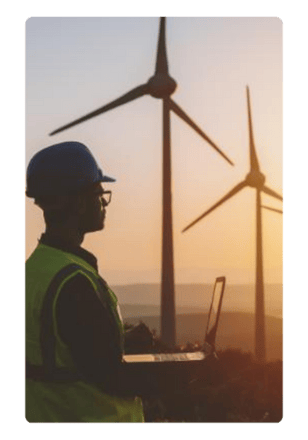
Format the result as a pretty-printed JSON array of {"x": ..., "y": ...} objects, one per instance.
[{"x": 87, "y": 327}]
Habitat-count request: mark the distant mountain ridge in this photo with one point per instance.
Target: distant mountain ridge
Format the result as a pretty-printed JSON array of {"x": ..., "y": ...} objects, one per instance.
[
  {"x": 195, "y": 298},
  {"x": 135, "y": 310}
]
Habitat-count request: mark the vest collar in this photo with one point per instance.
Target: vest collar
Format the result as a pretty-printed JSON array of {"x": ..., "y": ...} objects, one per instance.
[{"x": 65, "y": 247}]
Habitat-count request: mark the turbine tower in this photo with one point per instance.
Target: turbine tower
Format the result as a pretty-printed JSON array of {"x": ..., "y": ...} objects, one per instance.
[
  {"x": 160, "y": 86},
  {"x": 254, "y": 179}
]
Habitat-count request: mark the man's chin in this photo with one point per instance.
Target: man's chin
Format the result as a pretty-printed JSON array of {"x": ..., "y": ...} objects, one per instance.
[
  {"x": 98, "y": 227},
  {"x": 101, "y": 226}
]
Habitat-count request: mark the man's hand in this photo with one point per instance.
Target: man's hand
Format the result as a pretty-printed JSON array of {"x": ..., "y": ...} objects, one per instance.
[{"x": 138, "y": 339}]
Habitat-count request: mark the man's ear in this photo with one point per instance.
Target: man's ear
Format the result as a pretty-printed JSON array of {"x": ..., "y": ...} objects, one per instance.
[
  {"x": 53, "y": 203},
  {"x": 81, "y": 204}
]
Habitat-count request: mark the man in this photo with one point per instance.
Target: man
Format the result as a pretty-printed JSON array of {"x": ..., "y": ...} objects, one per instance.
[{"x": 74, "y": 333}]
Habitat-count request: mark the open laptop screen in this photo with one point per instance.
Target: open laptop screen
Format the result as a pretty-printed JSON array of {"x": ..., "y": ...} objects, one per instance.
[
  {"x": 215, "y": 310},
  {"x": 210, "y": 335}
]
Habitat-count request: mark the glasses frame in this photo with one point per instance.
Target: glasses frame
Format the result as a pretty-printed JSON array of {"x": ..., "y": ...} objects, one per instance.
[{"x": 106, "y": 200}]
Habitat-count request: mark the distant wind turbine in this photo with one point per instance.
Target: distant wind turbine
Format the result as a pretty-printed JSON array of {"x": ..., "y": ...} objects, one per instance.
[
  {"x": 254, "y": 179},
  {"x": 160, "y": 86}
]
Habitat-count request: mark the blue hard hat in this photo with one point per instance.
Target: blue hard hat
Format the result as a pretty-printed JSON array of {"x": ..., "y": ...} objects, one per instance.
[{"x": 63, "y": 168}]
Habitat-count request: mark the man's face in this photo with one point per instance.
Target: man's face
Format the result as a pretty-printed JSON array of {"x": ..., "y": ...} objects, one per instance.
[{"x": 94, "y": 212}]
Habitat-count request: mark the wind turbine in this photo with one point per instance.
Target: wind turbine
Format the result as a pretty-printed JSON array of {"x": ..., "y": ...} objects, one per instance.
[
  {"x": 272, "y": 209},
  {"x": 160, "y": 86},
  {"x": 254, "y": 179}
]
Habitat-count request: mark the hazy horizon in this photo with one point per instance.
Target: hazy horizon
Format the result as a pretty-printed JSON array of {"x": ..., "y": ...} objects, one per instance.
[
  {"x": 237, "y": 297},
  {"x": 192, "y": 276}
]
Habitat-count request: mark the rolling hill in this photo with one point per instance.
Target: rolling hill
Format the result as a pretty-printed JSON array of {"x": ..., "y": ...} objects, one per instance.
[{"x": 236, "y": 330}]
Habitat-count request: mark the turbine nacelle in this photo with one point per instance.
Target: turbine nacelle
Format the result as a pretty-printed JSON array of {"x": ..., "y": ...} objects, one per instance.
[
  {"x": 255, "y": 179},
  {"x": 161, "y": 86}
]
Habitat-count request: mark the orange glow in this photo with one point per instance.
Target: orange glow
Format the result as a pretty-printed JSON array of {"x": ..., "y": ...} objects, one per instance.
[{"x": 212, "y": 61}]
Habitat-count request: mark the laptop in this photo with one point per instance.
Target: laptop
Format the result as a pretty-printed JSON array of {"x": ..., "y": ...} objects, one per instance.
[{"x": 210, "y": 335}]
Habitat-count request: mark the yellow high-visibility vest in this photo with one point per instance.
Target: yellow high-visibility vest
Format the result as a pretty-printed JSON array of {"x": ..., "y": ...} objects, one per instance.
[{"x": 60, "y": 395}]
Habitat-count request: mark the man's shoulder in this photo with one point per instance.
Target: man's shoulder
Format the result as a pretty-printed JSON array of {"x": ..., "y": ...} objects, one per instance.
[
  {"x": 78, "y": 285},
  {"x": 80, "y": 291},
  {"x": 49, "y": 259}
]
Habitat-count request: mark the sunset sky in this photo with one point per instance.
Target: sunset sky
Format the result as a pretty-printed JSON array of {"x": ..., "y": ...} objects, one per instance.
[{"x": 75, "y": 65}]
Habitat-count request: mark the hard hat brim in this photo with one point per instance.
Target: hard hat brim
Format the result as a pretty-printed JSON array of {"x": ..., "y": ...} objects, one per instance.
[{"x": 103, "y": 178}]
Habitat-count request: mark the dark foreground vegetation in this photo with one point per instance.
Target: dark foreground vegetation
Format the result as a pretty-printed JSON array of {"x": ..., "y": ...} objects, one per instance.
[{"x": 232, "y": 388}]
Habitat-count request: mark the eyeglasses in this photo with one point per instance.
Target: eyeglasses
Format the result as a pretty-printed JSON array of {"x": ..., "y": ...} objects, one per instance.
[{"x": 106, "y": 196}]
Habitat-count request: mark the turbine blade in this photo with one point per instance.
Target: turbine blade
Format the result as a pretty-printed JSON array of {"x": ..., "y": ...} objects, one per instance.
[
  {"x": 272, "y": 193},
  {"x": 254, "y": 164},
  {"x": 272, "y": 209},
  {"x": 130, "y": 96},
  {"x": 177, "y": 110},
  {"x": 230, "y": 194},
  {"x": 161, "y": 57}
]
